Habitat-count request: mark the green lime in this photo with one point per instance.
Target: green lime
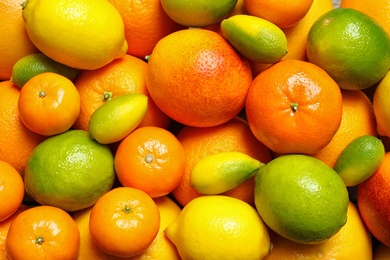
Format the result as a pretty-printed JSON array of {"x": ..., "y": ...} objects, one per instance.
[
  {"x": 360, "y": 159},
  {"x": 255, "y": 38},
  {"x": 198, "y": 13},
  {"x": 118, "y": 117},
  {"x": 351, "y": 47},
  {"x": 69, "y": 171},
  {"x": 220, "y": 172},
  {"x": 301, "y": 198},
  {"x": 37, "y": 63}
]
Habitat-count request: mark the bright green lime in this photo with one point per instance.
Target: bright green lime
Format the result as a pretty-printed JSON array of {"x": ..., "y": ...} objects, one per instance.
[
  {"x": 197, "y": 13},
  {"x": 255, "y": 38},
  {"x": 36, "y": 63},
  {"x": 69, "y": 171},
  {"x": 360, "y": 159},
  {"x": 351, "y": 47},
  {"x": 118, "y": 117},
  {"x": 301, "y": 198},
  {"x": 223, "y": 171}
]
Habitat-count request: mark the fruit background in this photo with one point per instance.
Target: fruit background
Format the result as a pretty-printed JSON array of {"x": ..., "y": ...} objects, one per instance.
[{"x": 171, "y": 129}]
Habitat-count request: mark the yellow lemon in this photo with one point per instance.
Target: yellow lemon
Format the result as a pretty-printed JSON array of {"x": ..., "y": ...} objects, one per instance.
[
  {"x": 219, "y": 227},
  {"x": 83, "y": 34}
]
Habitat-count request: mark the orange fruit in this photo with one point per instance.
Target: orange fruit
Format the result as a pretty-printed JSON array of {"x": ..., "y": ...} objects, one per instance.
[
  {"x": 17, "y": 141},
  {"x": 199, "y": 142},
  {"x": 124, "y": 221},
  {"x": 124, "y": 75},
  {"x": 377, "y": 9},
  {"x": 145, "y": 24},
  {"x": 373, "y": 199},
  {"x": 358, "y": 119},
  {"x": 282, "y": 13},
  {"x": 381, "y": 252},
  {"x": 11, "y": 190},
  {"x": 49, "y": 104},
  {"x": 297, "y": 34},
  {"x": 4, "y": 227},
  {"x": 150, "y": 159},
  {"x": 289, "y": 104},
  {"x": 15, "y": 42},
  {"x": 352, "y": 241},
  {"x": 43, "y": 232},
  {"x": 197, "y": 78}
]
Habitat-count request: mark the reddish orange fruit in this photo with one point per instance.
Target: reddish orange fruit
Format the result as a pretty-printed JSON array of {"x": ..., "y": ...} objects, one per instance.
[
  {"x": 197, "y": 78},
  {"x": 294, "y": 107}
]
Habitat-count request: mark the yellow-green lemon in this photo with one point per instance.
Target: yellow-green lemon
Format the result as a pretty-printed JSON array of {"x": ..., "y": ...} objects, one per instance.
[
  {"x": 83, "y": 34},
  {"x": 220, "y": 172},
  {"x": 360, "y": 159},
  {"x": 118, "y": 117},
  {"x": 70, "y": 171},
  {"x": 255, "y": 38},
  {"x": 36, "y": 63},
  {"x": 381, "y": 106},
  {"x": 197, "y": 13},
  {"x": 216, "y": 227},
  {"x": 301, "y": 198},
  {"x": 351, "y": 47}
]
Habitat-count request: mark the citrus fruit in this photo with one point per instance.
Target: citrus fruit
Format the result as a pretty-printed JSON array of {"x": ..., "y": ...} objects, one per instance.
[
  {"x": 89, "y": 33},
  {"x": 377, "y": 9},
  {"x": 207, "y": 224},
  {"x": 373, "y": 199},
  {"x": 297, "y": 34},
  {"x": 17, "y": 141},
  {"x": 358, "y": 119},
  {"x": 49, "y": 104},
  {"x": 33, "y": 64},
  {"x": 121, "y": 76},
  {"x": 124, "y": 221},
  {"x": 282, "y": 13},
  {"x": 4, "y": 227},
  {"x": 115, "y": 119},
  {"x": 199, "y": 142},
  {"x": 198, "y": 57},
  {"x": 150, "y": 159},
  {"x": 11, "y": 190},
  {"x": 69, "y": 171},
  {"x": 15, "y": 42},
  {"x": 197, "y": 13},
  {"x": 351, "y": 47},
  {"x": 353, "y": 241},
  {"x": 145, "y": 23},
  {"x": 220, "y": 172},
  {"x": 289, "y": 118},
  {"x": 360, "y": 159},
  {"x": 44, "y": 232},
  {"x": 301, "y": 198},
  {"x": 255, "y": 38},
  {"x": 161, "y": 247},
  {"x": 381, "y": 106}
]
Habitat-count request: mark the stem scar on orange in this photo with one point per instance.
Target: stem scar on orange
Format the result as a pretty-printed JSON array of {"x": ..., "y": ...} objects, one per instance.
[
  {"x": 49, "y": 104},
  {"x": 43, "y": 232},
  {"x": 294, "y": 107},
  {"x": 124, "y": 221},
  {"x": 150, "y": 159}
]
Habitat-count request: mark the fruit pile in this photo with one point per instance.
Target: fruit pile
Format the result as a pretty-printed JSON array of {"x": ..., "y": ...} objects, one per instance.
[{"x": 171, "y": 129}]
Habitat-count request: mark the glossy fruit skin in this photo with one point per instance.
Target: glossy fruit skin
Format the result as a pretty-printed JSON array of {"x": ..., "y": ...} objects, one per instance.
[
  {"x": 301, "y": 198},
  {"x": 374, "y": 202}
]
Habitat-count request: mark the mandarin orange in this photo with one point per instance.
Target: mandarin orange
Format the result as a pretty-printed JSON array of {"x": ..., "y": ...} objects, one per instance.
[
  {"x": 145, "y": 24},
  {"x": 294, "y": 107},
  {"x": 199, "y": 142},
  {"x": 197, "y": 78},
  {"x": 17, "y": 141},
  {"x": 124, "y": 75},
  {"x": 15, "y": 42}
]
